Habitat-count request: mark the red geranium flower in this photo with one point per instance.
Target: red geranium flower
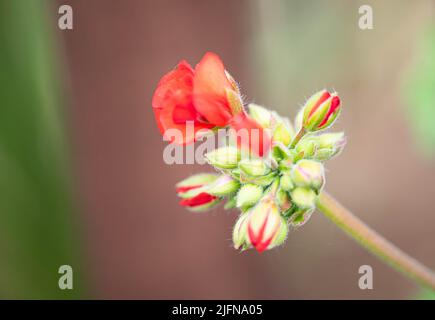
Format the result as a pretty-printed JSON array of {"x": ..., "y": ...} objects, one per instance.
[
  {"x": 173, "y": 104},
  {"x": 199, "y": 96}
]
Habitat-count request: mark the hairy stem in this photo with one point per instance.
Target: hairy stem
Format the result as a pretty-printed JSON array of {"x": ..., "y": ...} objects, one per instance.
[
  {"x": 298, "y": 137},
  {"x": 374, "y": 242}
]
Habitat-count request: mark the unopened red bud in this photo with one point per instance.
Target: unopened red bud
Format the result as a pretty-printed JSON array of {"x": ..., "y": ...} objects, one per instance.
[
  {"x": 200, "y": 202},
  {"x": 264, "y": 224},
  {"x": 193, "y": 185},
  {"x": 193, "y": 190},
  {"x": 320, "y": 111}
]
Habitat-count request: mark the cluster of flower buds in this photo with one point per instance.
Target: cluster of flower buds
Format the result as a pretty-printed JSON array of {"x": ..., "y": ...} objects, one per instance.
[
  {"x": 274, "y": 177},
  {"x": 277, "y": 192}
]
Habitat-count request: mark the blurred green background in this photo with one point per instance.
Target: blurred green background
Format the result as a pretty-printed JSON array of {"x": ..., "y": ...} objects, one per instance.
[
  {"x": 38, "y": 231},
  {"x": 82, "y": 181}
]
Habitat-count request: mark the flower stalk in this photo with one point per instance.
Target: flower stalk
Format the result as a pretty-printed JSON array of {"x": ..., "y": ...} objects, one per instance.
[
  {"x": 298, "y": 137},
  {"x": 374, "y": 242}
]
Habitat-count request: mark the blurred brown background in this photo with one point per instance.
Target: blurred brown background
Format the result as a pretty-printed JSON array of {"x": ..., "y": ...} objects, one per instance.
[{"x": 140, "y": 244}]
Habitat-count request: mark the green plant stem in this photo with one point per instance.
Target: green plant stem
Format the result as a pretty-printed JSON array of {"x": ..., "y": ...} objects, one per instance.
[
  {"x": 298, "y": 137},
  {"x": 374, "y": 242}
]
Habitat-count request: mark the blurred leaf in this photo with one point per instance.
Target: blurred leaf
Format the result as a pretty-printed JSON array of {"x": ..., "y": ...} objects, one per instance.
[
  {"x": 420, "y": 93},
  {"x": 36, "y": 225}
]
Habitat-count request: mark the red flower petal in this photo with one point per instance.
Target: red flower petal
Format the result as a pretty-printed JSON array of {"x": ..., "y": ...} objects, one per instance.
[
  {"x": 187, "y": 188},
  {"x": 322, "y": 99},
  {"x": 259, "y": 140},
  {"x": 181, "y": 114},
  {"x": 198, "y": 200},
  {"x": 177, "y": 84},
  {"x": 209, "y": 90},
  {"x": 335, "y": 104},
  {"x": 258, "y": 240},
  {"x": 173, "y": 104}
]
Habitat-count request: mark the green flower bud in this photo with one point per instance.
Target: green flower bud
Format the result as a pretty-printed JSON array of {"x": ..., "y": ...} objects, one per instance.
[
  {"x": 280, "y": 151},
  {"x": 301, "y": 217},
  {"x": 224, "y": 157},
  {"x": 248, "y": 195},
  {"x": 304, "y": 198},
  {"x": 223, "y": 186},
  {"x": 323, "y": 155},
  {"x": 282, "y": 134},
  {"x": 286, "y": 182},
  {"x": 308, "y": 173},
  {"x": 235, "y": 173},
  {"x": 261, "y": 180},
  {"x": 322, "y": 147},
  {"x": 240, "y": 233},
  {"x": 331, "y": 140},
  {"x": 254, "y": 167},
  {"x": 260, "y": 114},
  {"x": 307, "y": 146},
  {"x": 329, "y": 145},
  {"x": 283, "y": 200}
]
